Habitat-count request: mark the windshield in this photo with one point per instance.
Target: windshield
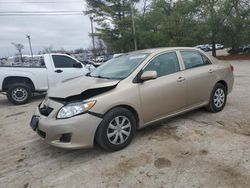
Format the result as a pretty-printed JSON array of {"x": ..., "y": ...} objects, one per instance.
[{"x": 119, "y": 67}]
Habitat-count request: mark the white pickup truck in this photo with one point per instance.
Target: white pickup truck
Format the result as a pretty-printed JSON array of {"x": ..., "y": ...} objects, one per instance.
[{"x": 19, "y": 81}]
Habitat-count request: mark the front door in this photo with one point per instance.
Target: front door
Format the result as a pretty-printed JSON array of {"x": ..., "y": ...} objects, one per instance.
[
  {"x": 65, "y": 68},
  {"x": 166, "y": 94}
]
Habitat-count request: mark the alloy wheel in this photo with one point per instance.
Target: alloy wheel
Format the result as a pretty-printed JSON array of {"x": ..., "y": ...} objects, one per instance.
[
  {"x": 119, "y": 130},
  {"x": 219, "y": 98}
]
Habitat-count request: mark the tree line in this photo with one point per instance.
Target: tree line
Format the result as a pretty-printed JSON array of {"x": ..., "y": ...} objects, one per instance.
[{"x": 166, "y": 23}]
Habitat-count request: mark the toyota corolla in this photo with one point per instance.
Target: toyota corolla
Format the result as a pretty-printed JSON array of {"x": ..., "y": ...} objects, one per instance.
[{"x": 129, "y": 92}]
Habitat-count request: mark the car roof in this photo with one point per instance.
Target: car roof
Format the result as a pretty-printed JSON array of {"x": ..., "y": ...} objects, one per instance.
[
  {"x": 154, "y": 51},
  {"x": 158, "y": 50}
]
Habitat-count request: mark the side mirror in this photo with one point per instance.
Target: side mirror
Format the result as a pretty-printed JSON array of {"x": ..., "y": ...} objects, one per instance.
[
  {"x": 77, "y": 65},
  {"x": 148, "y": 75}
]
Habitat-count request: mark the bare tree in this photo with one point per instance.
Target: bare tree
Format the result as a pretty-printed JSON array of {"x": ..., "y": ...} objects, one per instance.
[
  {"x": 19, "y": 48},
  {"x": 145, "y": 7},
  {"x": 100, "y": 46},
  {"x": 48, "y": 49}
]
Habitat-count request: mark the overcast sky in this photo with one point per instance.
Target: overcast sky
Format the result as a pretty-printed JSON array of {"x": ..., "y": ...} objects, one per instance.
[{"x": 68, "y": 32}]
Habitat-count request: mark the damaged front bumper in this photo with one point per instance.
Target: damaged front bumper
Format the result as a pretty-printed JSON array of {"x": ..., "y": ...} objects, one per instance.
[{"x": 72, "y": 133}]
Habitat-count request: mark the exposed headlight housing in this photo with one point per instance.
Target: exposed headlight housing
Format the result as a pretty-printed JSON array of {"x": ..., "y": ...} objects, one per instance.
[{"x": 73, "y": 109}]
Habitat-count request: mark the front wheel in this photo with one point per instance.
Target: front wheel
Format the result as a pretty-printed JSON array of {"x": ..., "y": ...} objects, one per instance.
[
  {"x": 19, "y": 93},
  {"x": 116, "y": 130},
  {"x": 218, "y": 98}
]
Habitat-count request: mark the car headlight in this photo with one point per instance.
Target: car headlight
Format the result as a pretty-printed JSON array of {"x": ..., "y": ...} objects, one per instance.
[{"x": 73, "y": 109}]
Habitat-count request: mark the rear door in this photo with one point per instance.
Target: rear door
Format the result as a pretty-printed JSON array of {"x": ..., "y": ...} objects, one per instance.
[
  {"x": 166, "y": 94},
  {"x": 199, "y": 75},
  {"x": 66, "y": 68}
]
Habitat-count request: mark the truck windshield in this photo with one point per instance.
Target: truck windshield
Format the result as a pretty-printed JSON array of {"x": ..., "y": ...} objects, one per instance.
[{"x": 119, "y": 67}]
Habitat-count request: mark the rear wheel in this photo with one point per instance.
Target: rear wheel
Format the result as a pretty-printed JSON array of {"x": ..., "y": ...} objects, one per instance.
[
  {"x": 19, "y": 93},
  {"x": 218, "y": 98},
  {"x": 116, "y": 130}
]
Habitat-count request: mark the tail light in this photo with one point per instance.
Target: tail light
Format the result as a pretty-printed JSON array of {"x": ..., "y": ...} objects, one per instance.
[{"x": 232, "y": 68}]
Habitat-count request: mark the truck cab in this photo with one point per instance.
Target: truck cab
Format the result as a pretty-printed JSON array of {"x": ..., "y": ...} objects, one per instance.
[{"x": 20, "y": 78}]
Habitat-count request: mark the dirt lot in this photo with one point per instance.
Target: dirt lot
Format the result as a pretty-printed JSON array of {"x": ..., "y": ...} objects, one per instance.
[
  {"x": 224, "y": 55},
  {"x": 198, "y": 149}
]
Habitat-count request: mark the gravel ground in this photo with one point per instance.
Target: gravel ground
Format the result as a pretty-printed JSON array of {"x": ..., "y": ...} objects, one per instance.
[{"x": 198, "y": 149}]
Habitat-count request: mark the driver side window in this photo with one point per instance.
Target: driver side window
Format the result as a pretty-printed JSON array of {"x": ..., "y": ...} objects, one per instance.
[
  {"x": 164, "y": 64},
  {"x": 61, "y": 61}
]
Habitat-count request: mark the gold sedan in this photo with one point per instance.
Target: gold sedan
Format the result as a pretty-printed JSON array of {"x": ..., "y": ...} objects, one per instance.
[{"x": 129, "y": 92}]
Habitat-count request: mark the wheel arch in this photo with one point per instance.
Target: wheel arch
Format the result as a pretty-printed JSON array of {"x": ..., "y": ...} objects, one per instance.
[
  {"x": 130, "y": 108},
  {"x": 224, "y": 83},
  {"x": 8, "y": 81}
]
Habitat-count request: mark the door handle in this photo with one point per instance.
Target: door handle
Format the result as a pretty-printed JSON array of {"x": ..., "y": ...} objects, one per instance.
[
  {"x": 211, "y": 71},
  {"x": 181, "y": 79},
  {"x": 58, "y": 71}
]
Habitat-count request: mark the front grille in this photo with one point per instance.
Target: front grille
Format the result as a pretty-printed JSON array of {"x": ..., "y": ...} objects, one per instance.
[
  {"x": 45, "y": 110},
  {"x": 41, "y": 133}
]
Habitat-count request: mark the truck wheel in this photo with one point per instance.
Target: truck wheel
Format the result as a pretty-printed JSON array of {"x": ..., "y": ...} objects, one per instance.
[
  {"x": 116, "y": 130},
  {"x": 19, "y": 93}
]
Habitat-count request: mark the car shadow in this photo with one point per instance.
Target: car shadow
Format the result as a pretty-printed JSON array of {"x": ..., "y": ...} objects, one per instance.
[
  {"x": 67, "y": 156},
  {"x": 3, "y": 100},
  {"x": 166, "y": 121},
  {"x": 37, "y": 97}
]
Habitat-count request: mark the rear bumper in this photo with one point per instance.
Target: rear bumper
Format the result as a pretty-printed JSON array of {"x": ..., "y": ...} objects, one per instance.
[{"x": 81, "y": 129}]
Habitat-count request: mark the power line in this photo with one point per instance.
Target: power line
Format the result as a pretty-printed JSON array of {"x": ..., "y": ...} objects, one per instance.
[
  {"x": 44, "y": 14},
  {"x": 40, "y": 13},
  {"x": 34, "y": 12},
  {"x": 38, "y": 2}
]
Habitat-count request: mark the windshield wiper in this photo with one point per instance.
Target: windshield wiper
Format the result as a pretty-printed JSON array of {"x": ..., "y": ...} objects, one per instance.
[
  {"x": 88, "y": 74},
  {"x": 102, "y": 77}
]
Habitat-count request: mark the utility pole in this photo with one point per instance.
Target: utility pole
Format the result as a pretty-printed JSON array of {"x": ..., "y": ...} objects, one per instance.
[
  {"x": 92, "y": 34},
  {"x": 31, "y": 52},
  {"x": 133, "y": 24}
]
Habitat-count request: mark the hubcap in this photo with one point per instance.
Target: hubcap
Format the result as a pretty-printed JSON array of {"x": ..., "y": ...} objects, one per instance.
[
  {"x": 19, "y": 94},
  {"x": 119, "y": 130},
  {"x": 219, "y": 98}
]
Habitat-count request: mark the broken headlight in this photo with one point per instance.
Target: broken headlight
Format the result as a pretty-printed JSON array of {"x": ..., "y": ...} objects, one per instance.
[{"x": 73, "y": 109}]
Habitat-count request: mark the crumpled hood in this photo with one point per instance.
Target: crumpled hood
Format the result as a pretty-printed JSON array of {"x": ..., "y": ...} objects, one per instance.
[{"x": 78, "y": 86}]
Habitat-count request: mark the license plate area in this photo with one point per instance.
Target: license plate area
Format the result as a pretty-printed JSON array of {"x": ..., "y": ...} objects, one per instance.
[{"x": 34, "y": 122}]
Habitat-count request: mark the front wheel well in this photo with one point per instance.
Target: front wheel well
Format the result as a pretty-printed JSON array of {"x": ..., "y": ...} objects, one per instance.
[
  {"x": 131, "y": 109},
  {"x": 8, "y": 81}
]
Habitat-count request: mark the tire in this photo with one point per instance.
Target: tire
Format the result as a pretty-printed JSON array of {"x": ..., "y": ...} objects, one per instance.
[
  {"x": 109, "y": 125},
  {"x": 19, "y": 93},
  {"x": 218, "y": 98}
]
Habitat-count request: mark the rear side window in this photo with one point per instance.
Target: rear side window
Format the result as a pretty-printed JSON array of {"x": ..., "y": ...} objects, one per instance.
[
  {"x": 164, "y": 64},
  {"x": 193, "y": 59},
  {"x": 63, "y": 61},
  {"x": 206, "y": 60}
]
